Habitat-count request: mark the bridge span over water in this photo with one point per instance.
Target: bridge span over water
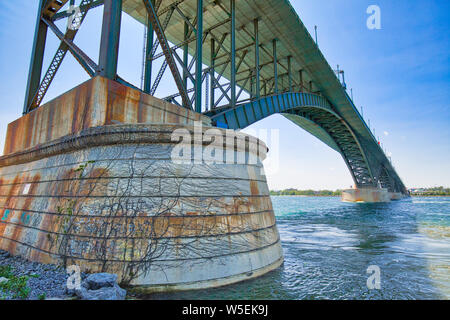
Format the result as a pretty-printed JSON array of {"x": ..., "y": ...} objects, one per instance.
[{"x": 236, "y": 61}]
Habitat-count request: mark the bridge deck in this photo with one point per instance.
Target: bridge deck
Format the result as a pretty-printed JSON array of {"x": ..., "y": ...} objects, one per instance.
[
  {"x": 300, "y": 66},
  {"x": 278, "y": 20}
]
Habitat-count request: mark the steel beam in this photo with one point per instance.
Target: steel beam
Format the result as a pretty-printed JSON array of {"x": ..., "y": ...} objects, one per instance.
[
  {"x": 148, "y": 58},
  {"x": 257, "y": 62},
  {"x": 212, "y": 71},
  {"x": 199, "y": 57},
  {"x": 37, "y": 58},
  {"x": 66, "y": 44},
  {"x": 185, "y": 55},
  {"x": 289, "y": 59},
  {"x": 109, "y": 45},
  {"x": 90, "y": 66},
  {"x": 301, "y": 80},
  {"x": 233, "y": 52},
  {"x": 83, "y": 7},
  {"x": 275, "y": 66},
  {"x": 167, "y": 52}
]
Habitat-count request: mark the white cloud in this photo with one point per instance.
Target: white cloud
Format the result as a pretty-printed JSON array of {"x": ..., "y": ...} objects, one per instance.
[{"x": 386, "y": 133}]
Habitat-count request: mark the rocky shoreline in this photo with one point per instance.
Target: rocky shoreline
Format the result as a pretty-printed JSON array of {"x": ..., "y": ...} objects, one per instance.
[{"x": 24, "y": 280}]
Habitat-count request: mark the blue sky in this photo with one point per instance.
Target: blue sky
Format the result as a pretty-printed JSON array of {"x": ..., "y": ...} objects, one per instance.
[{"x": 399, "y": 74}]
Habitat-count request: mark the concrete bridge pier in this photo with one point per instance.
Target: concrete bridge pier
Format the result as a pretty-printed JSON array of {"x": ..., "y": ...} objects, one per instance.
[
  {"x": 370, "y": 195},
  {"x": 90, "y": 179}
]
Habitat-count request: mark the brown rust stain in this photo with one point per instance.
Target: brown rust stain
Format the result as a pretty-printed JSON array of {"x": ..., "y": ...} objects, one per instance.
[
  {"x": 80, "y": 110},
  {"x": 88, "y": 106},
  {"x": 254, "y": 188},
  {"x": 142, "y": 111},
  {"x": 115, "y": 106}
]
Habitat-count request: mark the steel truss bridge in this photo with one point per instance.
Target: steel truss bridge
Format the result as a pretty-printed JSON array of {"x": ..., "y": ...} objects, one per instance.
[{"x": 237, "y": 61}]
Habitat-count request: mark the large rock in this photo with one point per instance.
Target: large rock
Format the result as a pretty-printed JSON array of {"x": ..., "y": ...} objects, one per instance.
[
  {"x": 106, "y": 293},
  {"x": 101, "y": 286},
  {"x": 100, "y": 280},
  {"x": 3, "y": 280}
]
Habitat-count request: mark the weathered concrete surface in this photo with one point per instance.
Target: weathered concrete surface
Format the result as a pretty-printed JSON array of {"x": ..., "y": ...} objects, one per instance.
[
  {"x": 366, "y": 195},
  {"x": 370, "y": 195},
  {"x": 111, "y": 199}
]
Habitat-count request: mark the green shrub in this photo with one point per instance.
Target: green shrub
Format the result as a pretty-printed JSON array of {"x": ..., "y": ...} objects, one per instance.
[
  {"x": 17, "y": 286},
  {"x": 42, "y": 296}
]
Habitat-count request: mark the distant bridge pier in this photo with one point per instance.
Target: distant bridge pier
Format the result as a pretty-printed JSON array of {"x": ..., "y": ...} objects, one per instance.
[{"x": 370, "y": 195}]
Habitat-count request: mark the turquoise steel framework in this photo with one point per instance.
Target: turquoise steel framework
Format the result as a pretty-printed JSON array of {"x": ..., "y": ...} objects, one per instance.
[{"x": 237, "y": 61}]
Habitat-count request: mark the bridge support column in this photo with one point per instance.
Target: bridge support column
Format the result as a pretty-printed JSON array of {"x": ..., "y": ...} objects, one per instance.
[
  {"x": 109, "y": 46},
  {"x": 199, "y": 57},
  {"x": 148, "y": 58}
]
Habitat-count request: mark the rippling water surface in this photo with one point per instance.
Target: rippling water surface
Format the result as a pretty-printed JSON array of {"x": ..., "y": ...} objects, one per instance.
[{"x": 328, "y": 246}]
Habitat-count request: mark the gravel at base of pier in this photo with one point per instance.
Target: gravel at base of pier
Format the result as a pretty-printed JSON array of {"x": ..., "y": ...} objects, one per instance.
[{"x": 44, "y": 281}]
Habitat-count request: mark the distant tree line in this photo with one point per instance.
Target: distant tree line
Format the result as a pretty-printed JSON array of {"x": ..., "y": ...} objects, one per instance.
[
  {"x": 430, "y": 192},
  {"x": 312, "y": 193}
]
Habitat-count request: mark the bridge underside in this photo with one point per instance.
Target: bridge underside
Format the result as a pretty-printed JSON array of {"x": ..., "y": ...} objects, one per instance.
[
  {"x": 225, "y": 57},
  {"x": 314, "y": 114}
]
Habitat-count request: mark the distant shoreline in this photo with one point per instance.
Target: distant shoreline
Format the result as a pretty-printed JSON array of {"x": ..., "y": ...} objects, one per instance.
[
  {"x": 430, "y": 195},
  {"x": 306, "y": 193},
  {"x": 304, "y": 196},
  {"x": 325, "y": 196}
]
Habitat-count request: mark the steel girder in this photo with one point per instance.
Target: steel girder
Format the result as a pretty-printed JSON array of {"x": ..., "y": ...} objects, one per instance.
[
  {"x": 328, "y": 126},
  {"x": 230, "y": 60},
  {"x": 249, "y": 65},
  {"x": 46, "y": 17},
  {"x": 226, "y": 59}
]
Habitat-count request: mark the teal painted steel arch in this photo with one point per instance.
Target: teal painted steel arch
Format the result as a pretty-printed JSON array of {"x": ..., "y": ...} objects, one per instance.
[
  {"x": 320, "y": 120},
  {"x": 246, "y": 114}
]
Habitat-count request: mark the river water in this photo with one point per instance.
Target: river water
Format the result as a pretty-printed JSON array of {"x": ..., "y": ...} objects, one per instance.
[{"x": 329, "y": 245}]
